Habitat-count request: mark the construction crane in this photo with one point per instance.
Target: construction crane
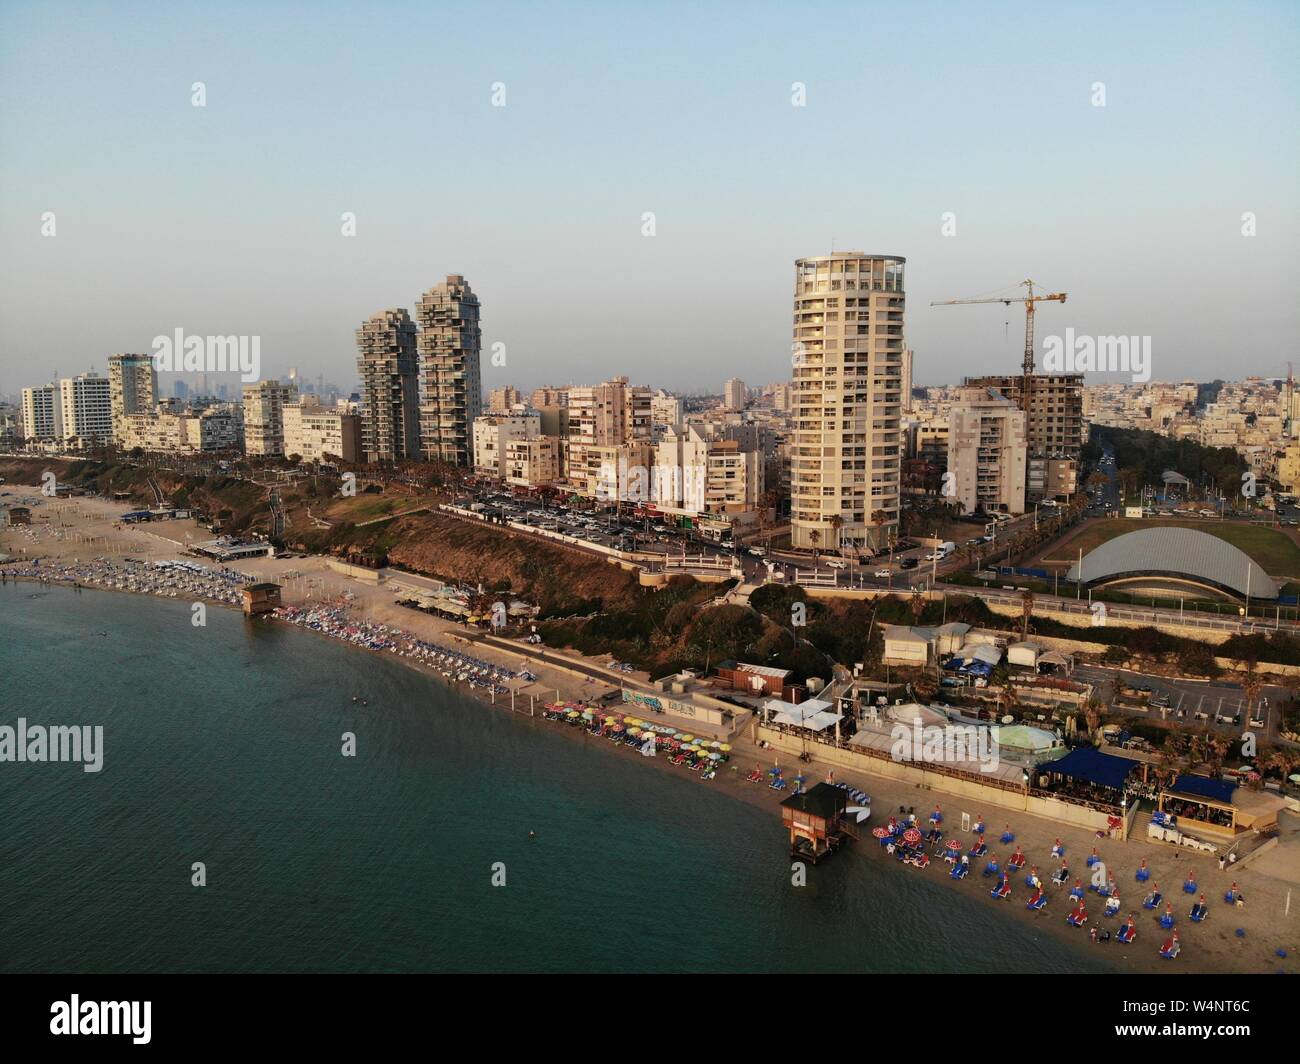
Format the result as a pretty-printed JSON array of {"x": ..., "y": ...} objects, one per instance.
[{"x": 1029, "y": 301}]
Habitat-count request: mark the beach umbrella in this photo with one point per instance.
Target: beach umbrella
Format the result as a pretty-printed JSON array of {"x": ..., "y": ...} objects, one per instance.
[
  {"x": 688, "y": 738},
  {"x": 725, "y": 748},
  {"x": 954, "y": 845},
  {"x": 911, "y": 835},
  {"x": 880, "y": 833},
  {"x": 715, "y": 756},
  {"x": 1294, "y": 777}
]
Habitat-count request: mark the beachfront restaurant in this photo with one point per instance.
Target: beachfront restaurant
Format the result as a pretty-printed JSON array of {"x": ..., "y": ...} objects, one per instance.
[
  {"x": 1219, "y": 807},
  {"x": 1088, "y": 776}
]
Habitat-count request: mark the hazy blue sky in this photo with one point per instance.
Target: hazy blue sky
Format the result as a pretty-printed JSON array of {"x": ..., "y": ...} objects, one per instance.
[{"x": 226, "y": 219}]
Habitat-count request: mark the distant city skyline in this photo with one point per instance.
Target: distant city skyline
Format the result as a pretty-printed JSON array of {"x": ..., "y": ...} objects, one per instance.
[{"x": 228, "y": 218}]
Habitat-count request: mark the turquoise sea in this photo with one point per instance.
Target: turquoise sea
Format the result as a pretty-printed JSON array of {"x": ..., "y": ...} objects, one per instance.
[{"x": 222, "y": 746}]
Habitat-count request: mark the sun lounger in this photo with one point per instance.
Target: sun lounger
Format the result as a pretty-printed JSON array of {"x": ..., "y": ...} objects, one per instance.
[
  {"x": 1167, "y": 920},
  {"x": 1112, "y": 906},
  {"x": 1002, "y": 890},
  {"x": 1077, "y": 917},
  {"x": 1151, "y": 900},
  {"x": 1143, "y": 874},
  {"x": 1037, "y": 901},
  {"x": 1170, "y": 949},
  {"x": 959, "y": 870},
  {"x": 992, "y": 869},
  {"x": 1199, "y": 912},
  {"x": 979, "y": 849},
  {"x": 1060, "y": 876},
  {"x": 1127, "y": 933},
  {"x": 1189, "y": 886},
  {"x": 1007, "y": 837}
]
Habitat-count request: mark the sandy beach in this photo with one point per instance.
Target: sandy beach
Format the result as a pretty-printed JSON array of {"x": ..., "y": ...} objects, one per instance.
[{"x": 75, "y": 531}]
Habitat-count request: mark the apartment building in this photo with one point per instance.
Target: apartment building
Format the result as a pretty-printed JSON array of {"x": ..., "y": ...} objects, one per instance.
[
  {"x": 321, "y": 433},
  {"x": 42, "y": 413},
  {"x": 535, "y": 462},
  {"x": 503, "y": 400},
  {"x": 612, "y": 414},
  {"x": 695, "y": 475},
  {"x": 845, "y": 453},
  {"x": 492, "y": 434},
  {"x": 666, "y": 412},
  {"x": 86, "y": 410},
  {"x": 987, "y": 453},
  {"x": 451, "y": 389},
  {"x": 1055, "y": 428},
  {"x": 132, "y": 388},
  {"x": 733, "y": 394},
  {"x": 264, "y": 406},
  {"x": 390, "y": 389}
]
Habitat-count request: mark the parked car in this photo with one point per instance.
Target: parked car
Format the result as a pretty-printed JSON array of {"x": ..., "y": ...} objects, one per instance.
[
  {"x": 837, "y": 563},
  {"x": 883, "y": 574}
]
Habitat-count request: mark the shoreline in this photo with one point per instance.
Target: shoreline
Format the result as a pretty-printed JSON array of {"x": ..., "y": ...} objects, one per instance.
[{"x": 1210, "y": 948}]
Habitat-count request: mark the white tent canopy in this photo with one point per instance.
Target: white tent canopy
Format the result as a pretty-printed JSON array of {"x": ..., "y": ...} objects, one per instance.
[{"x": 814, "y": 714}]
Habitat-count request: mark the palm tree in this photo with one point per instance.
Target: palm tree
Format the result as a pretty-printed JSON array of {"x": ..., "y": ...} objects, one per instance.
[
  {"x": 837, "y": 522},
  {"x": 1026, "y": 612}
]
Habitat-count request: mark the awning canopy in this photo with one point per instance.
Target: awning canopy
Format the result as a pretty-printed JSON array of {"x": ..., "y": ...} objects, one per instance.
[
  {"x": 1204, "y": 787},
  {"x": 1089, "y": 764}
]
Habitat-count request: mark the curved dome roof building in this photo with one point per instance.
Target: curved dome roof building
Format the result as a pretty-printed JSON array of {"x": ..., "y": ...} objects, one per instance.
[{"x": 1177, "y": 556}]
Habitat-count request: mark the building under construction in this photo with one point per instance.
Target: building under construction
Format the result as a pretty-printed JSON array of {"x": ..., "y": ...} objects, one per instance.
[{"x": 1055, "y": 432}]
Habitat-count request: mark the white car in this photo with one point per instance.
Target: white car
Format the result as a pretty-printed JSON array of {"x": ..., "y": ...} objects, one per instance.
[
  {"x": 883, "y": 574},
  {"x": 837, "y": 563}
]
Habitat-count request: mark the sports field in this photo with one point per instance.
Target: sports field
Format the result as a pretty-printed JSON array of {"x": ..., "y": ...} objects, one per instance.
[{"x": 1275, "y": 551}]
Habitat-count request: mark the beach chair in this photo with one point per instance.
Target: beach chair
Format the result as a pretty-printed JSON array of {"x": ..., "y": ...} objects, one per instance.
[
  {"x": 1093, "y": 858},
  {"x": 1143, "y": 873},
  {"x": 1170, "y": 949},
  {"x": 1002, "y": 890},
  {"x": 1076, "y": 891},
  {"x": 1060, "y": 876},
  {"x": 1058, "y": 851},
  {"x": 1127, "y": 933},
  {"x": 1167, "y": 920},
  {"x": 978, "y": 829},
  {"x": 1007, "y": 837},
  {"x": 1016, "y": 861},
  {"x": 1112, "y": 905},
  {"x": 1230, "y": 896},
  {"x": 992, "y": 869},
  {"x": 979, "y": 849},
  {"x": 1037, "y": 901},
  {"x": 1078, "y": 916},
  {"x": 1199, "y": 912},
  {"x": 1151, "y": 900},
  {"x": 1189, "y": 886},
  {"x": 959, "y": 870}
]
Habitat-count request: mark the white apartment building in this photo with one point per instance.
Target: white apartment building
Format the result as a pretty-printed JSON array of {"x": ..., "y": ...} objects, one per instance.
[
  {"x": 264, "y": 404},
  {"x": 987, "y": 453},
  {"x": 694, "y": 475},
  {"x": 321, "y": 433},
  {"x": 845, "y": 450},
  {"x": 492, "y": 432},
  {"x": 42, "y": 413},
  {"x": 86, "y": 410}
]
